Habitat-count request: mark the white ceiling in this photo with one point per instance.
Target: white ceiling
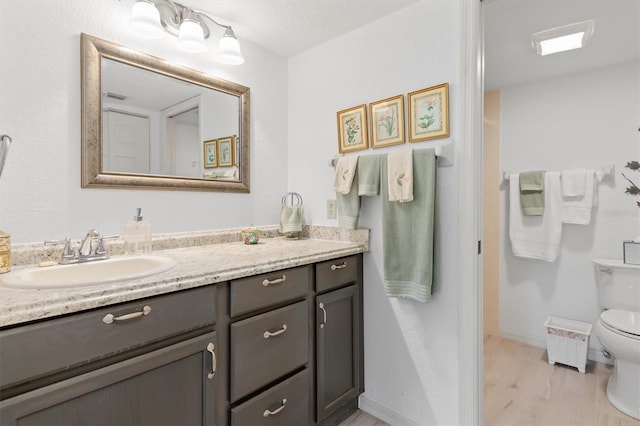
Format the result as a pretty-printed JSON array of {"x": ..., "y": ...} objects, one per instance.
[
  {"x": 288, "y": 27},
  {"x": 509, "y": 24}
]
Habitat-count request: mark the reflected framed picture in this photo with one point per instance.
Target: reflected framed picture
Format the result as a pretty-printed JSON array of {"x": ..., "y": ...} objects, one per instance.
[
  {"x": 386, "y": 121},
  {"x": 226, "y": 151},
  {"x": 210, "y": 152},
  {"x": 352, "y": 129},
  {"x": 429, "y": 113}
]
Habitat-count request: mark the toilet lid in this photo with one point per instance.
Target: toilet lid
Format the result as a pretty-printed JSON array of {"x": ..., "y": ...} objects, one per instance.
[{"x": 626, "y": 321}]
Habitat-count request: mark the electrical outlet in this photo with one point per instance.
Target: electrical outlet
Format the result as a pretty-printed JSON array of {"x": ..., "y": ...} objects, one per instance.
[{"x": 331, "y": 209}]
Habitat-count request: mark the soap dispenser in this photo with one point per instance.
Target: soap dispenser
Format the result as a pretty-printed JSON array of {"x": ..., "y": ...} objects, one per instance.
[{"x": 137, "y": 235}]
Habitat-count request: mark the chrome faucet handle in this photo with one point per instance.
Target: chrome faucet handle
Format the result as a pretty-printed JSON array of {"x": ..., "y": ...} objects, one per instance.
[
  {"x": 67, "y": 251},
  {"x": 100, "y": 250}
]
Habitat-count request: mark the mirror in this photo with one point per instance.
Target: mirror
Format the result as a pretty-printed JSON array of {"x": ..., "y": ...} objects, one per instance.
[{"x": 150, "y": 124}]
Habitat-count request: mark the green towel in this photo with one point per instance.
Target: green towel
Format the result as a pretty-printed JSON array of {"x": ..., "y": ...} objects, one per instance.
[
  {"x": 408, "y": 232},
  {"x": 368, "y": 175},
  {"x": 532, "y": 193},
  {"x": 348, "y": 206}
]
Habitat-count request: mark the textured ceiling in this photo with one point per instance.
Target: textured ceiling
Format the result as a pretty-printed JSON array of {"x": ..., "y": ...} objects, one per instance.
[
  {"x": 288, "y": 27},
  {"x": 509, "y": 24}
]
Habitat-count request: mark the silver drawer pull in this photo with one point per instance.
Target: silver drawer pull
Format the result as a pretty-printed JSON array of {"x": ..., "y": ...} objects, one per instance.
[
  {"x": 334, "y": 266},
  {"x": 268, "y": 413},
  {"x": 324, "y": 315},
  {"x": 268, "y": 334},
  {"x": 109, "y": 318},
  {"x": 282, "y": 279},
  {"x": 210, "y": 348}
]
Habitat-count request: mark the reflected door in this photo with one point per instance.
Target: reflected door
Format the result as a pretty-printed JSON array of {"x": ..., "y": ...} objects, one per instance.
[{"x": 127, "y": 149}]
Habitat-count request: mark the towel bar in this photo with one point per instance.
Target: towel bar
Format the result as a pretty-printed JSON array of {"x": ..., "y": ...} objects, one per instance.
[
  {"x": 444, "y": 152},
  {"x": 607, "y": 169}
]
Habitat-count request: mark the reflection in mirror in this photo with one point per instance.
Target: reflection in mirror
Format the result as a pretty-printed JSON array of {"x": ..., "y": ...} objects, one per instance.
[{"x": 147, "y": 123}]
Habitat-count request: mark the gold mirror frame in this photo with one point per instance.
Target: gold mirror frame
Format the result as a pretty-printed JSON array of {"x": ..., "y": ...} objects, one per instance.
[{"x": 93, "y": 50}]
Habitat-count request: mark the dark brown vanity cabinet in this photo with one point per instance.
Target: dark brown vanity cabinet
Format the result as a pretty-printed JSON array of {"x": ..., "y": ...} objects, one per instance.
[
  {"x": 282, "y": 348},
  {"x": 148, "y": 362},
  {"x": 339, "y": 336}
]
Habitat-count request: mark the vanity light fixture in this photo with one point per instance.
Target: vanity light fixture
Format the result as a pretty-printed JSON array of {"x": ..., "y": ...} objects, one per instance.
[
  {"x": 560, "y": 39},
  {"x": 150, "y": 18}
]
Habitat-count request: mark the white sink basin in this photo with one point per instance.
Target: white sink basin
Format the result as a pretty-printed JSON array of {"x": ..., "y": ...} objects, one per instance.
[{"x": 88, "y": 274}]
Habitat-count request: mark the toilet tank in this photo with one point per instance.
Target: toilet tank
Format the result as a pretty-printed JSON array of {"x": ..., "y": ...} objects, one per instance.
[{"x": 618, "y": 284}]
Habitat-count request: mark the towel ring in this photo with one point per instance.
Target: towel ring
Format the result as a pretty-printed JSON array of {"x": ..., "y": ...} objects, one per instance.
[{"x": 294, "y": 199}]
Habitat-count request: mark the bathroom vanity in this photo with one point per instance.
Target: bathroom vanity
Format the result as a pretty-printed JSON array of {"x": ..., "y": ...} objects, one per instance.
[{"x": 234, "y": 335}]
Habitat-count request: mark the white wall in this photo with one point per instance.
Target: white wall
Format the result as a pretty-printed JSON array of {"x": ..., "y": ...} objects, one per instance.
[
  {"x": 40, "y": 194},
  {"x": 582, "y": 120},
  {"x": 410, "y": 348}
]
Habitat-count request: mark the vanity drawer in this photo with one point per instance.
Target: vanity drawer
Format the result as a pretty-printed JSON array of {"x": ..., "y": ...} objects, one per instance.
[
  {"x": 284, "y": 404},
  {"x": 268, "y": 346},
  {"x": 337, "y": 273},
  {"x": 261, "y": 291},
  {"x": 47, "y": 347}
]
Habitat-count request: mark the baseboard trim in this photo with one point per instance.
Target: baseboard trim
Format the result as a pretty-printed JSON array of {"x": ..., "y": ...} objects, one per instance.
[
  {"x": 592, "y": 354},
  {"x": 384, "y": 413}
]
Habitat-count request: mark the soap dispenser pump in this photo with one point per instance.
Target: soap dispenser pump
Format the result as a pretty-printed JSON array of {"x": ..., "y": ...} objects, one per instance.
[{"x": 137, "y": 235}]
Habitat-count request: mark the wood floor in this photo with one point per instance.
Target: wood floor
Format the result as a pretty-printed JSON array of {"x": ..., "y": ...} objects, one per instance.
[
  {"x": 521, "y": 388},
  {"x": 360, "y": 418}
]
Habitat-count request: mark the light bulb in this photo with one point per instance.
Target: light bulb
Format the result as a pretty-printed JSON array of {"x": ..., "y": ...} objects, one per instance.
[
  {"x": 191, "y": 37},
  {"x": 145, "y": 20},
  {"x": 229, "y": 49}
]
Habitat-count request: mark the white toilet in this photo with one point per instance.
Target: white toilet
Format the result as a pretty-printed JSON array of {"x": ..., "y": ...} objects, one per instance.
[{"x": 618, "y": 330}]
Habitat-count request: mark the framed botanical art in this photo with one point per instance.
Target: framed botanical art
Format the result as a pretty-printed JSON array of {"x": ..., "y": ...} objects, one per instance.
[
  {"x": 429, "y": 113},
  {"x": 352, "y": 129},
  {"x": 386, "y": 118},
  {"x": 226, "y": 151},
  {"x": 210, "y": 154}
]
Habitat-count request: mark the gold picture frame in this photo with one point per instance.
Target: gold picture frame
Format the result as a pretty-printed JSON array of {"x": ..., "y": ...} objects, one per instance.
[
  {"x": 352, "y": 129},
  {"x": 386, "y": 121},
  {"x": 210, "y": 154},
  {"x": 226, "y": 151},
  {"x": 429, "y": 113}
]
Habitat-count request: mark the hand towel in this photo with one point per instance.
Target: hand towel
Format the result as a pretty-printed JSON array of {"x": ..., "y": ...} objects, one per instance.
[
  {"x": 400, "y": 175},
  {"x": 344, "y": 173},
  {"x": 408, "y": 232},
  {"x": 536, "y": 237},
  {"x": 532, "y": 193},
  {"x": 577, "y": 210},
  {"x": 369, "y": 175},
  {"x": 573, "y": 182},
  {"x": 348, "y": 206},
  {"x": 290, "y": 219}
]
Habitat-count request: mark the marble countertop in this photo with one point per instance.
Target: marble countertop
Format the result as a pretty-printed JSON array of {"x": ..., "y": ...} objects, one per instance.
[{"x": 196, "y": 266}]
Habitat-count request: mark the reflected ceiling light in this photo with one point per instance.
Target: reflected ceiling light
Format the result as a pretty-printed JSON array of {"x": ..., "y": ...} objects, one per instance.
[
  {"x": 560, "y": 39},
  {"x": 150, "y": 17}
]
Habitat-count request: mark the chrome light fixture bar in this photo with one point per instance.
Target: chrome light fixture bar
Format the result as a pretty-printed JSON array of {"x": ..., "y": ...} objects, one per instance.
[
  {"x": 151, "y": 18},
  {"x": 560, "y": 39}
]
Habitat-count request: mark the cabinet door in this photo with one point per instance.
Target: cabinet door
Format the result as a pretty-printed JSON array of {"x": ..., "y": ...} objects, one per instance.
[
  {"x": 338, "y": 350},
  {"x": 170, "y": 386}
]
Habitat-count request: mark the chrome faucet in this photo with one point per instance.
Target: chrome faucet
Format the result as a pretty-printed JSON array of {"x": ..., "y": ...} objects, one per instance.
[{"x": 91, "y": 248}]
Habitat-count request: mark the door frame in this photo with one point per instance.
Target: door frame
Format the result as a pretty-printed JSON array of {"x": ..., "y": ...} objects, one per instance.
[{"x": 469, "y": 168}]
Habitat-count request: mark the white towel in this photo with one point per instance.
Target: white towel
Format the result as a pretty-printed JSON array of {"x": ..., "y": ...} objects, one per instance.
[
  {"x": 577, "y": 210},
  {"x": 345, "y": 170},
  {"x": 536, "y": 237},
  {"x": 574, "y": 182},
  {"x": 400, "y": 175}
]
